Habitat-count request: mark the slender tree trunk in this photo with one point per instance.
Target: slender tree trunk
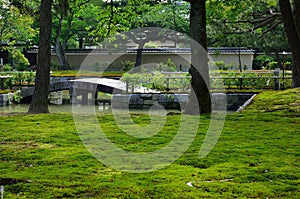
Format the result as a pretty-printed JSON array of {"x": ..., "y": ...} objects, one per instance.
[
  {"x": 39, "y": 103},
  {"x": 277, "y": 57},
  {"x": 139, "y": 54},
  {"x": 199, "y": 60},
  {"x": 63, "y": 60},
  {"x": 80, "y": 43},
  {"x": 239, "y": 57},
  {"x": 293, "y": 37},
  {"x": 60, "y": 52}
]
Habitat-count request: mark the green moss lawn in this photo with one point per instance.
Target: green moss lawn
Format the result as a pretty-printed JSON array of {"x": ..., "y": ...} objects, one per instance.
[{"x": 257, "y": 156}]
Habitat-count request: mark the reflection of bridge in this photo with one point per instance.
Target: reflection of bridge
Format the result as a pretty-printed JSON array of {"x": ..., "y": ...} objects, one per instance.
[{"x": 83, "y": 87}]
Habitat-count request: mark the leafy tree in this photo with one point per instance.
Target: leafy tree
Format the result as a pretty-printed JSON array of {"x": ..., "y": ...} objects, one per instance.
[
  {"x": 255, "y": 24},
  {"x": 71, "y": 22},
  {"x": 39, "y": 103},
  {"x": 15, "y": 29},
  {"x": 62, "y": 10},
  {"x": 121, "y": 16}
]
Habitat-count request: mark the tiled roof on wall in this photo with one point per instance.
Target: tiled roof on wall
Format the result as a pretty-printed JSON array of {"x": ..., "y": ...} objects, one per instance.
[{"x": 211, "y": 50}]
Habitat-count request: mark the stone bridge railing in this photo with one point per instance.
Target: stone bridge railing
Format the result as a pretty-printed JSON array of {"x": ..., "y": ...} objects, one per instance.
[{"x": 55, "y": 86}]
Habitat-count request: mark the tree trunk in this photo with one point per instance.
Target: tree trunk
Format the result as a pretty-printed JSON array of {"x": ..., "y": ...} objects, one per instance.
[
  {"x": 63, "y": 60},
  {"x": 199, "y": 61},
  {"x": 297, "y": 15},
  {"x": 80, "y": 41},
  {"x": 277, "y": 57},
  {"x": 139, "y": 54},
  {"x": 239, "y": 58},
  {"x": 60, "y": 52},
  {"x": 293, "y": 37},
  {"x": 39, "y": 103}
]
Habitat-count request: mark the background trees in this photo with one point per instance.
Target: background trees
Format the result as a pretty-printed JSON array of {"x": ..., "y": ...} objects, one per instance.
[
  {"x": 15, "y": 30},
  {"x": 76, "y": 23}
]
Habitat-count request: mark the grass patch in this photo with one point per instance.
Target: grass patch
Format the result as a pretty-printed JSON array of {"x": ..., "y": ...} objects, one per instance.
[
  {"x": 81, "y": 73},
  {"x": 276, "y": 101},
  {"x": 257, "y": 156}
]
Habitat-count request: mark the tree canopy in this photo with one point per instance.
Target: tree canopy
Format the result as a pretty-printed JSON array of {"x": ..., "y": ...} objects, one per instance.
[{"x": 265, "y": 25}]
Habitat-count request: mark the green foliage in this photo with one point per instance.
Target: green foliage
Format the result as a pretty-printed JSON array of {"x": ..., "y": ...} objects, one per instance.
[
  {"x": 128, "y": 65},
  {"x": 157, "y": 80},
  {"x": 15, "y": 26},
  {"x": 7, "y": 68},
  {"x": 20, "y": 62},
  {"x": 272, "y": 65},
  {"x": 167, "y": 67},
  {"x": 150, "y": 45},
  {"x": 55, "y": 66},
  {"x": 246, "y": 80},
  {"x": 248, "y": 23},
  {"x": 20, "y": 78},
  {"x": 262, "y": 61},
  {"x": 133, "y": 80},
  {"x": 288, "y": 65},
  {"x": 17, "y": 97},
  {"x": 220, "y": 65}
]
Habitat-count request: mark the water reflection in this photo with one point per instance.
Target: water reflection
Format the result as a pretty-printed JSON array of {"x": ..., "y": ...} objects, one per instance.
[
  {"x": 52, "y": 108},
  {"x": 101, "y": 108}
]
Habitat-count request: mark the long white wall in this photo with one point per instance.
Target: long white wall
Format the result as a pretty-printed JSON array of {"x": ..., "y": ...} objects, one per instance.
[{"x": 78, "y": 60}]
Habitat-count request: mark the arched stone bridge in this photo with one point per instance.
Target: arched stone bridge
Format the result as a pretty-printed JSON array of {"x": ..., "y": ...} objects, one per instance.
[{"x": 82, "y": 87}]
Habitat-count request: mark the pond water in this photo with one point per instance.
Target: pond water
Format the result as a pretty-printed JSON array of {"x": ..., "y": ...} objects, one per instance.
[
  {"x": 52, "y": 108},
  {"x": 23, "y": 108}
]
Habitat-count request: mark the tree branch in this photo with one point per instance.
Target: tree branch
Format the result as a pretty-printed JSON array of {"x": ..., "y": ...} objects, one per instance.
[{"x": 271, "y": 28}]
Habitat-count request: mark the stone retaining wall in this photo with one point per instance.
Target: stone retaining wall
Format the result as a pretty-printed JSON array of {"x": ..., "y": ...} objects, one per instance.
[
  {"x": 220, "y": 101},
  {"x": 145, "y": 101},
  {"x": 6, "y": 99}
]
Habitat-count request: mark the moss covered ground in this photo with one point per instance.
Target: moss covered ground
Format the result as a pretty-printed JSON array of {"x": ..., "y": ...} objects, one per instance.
[{"x": 257, "y": 156}]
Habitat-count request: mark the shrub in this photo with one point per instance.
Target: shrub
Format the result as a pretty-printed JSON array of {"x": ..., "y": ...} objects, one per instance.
[
  {"x": 230, "y": 66},
  {"x": 170, "y": 66},
  {"x": 150, "y": 45},
  {"x": 221, "y": 65},
  {"x": 288, "y": 65},
  {"x": 272, "y": 65},
  {"x": 54, "y": 66},
  {"x": 128, "y": 65},
  {"x": 7, "y": 68},
  {"x": 262, "y": 61}
]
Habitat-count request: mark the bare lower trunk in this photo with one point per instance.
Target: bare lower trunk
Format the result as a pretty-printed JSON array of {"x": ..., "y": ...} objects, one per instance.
[
  {"x": 199, "y": 62},
  {"x": 39, "y": 103},
  {"x": 296, "y": 70}
]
